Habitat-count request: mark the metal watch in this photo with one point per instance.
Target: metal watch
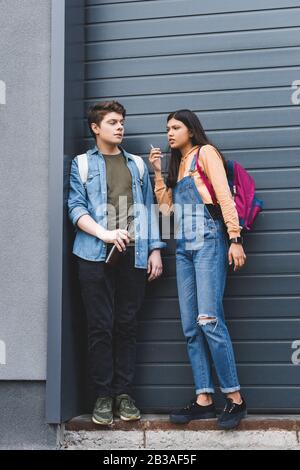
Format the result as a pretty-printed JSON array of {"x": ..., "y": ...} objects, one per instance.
[{"x": 236, "y": 240}]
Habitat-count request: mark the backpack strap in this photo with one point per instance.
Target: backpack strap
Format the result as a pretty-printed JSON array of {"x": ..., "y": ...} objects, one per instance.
[
  {"x": 140, "y": 165},
  {"x": 230, "y": 173},
  {"x": 205, "y": 179},
  {"x": 82, "y": 161},
  {"x": 83, "y": 167}
]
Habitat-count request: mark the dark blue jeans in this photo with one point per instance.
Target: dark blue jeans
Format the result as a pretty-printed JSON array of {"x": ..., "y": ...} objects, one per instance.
[{"x": 112, "y": 297}]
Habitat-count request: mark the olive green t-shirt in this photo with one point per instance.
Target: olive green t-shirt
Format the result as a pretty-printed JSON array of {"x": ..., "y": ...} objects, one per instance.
[{"x": 119, "y": 184}]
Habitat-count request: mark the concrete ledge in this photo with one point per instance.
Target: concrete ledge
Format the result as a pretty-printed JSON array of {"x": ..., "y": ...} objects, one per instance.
[
  {"x": 155, "y": 432},
  {"x": 162, "y": 423}
]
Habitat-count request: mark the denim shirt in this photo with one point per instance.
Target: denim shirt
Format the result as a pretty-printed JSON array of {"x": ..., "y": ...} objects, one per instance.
[{"x": 91, "y": 198}]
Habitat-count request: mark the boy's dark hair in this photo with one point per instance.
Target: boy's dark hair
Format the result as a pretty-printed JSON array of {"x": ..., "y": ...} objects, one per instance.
[{"x": 97, "y": 112}]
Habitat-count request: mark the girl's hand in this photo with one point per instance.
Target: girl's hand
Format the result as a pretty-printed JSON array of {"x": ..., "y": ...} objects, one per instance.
[
  {"x": 237, "y": 255},
  {"x": 155, "y": 159}
]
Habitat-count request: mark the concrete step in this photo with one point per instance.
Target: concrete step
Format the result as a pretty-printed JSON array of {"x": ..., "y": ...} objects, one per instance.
[{"x": 156, "y": 432}]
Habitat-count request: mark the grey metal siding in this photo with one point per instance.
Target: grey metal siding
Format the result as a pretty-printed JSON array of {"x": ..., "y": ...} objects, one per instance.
[{"x": 233, "y": 63}]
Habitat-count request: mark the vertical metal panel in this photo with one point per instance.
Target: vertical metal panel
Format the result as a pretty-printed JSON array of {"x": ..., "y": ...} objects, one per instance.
[
  {"x": 67, "y": 62},
  {"x": 53, "y": 390}
]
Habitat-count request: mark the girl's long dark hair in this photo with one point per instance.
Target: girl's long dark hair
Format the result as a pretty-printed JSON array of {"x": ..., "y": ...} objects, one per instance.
[{"x": 192, "y": 122}]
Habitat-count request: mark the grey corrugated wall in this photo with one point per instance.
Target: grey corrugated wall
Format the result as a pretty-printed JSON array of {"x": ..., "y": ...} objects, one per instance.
[{"x": 233, "y": 63}]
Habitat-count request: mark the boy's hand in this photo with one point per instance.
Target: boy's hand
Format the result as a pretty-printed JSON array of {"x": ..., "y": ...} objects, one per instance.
[
  {"x": 118, "y": 237},
  {"x": 155, "y": 267}
]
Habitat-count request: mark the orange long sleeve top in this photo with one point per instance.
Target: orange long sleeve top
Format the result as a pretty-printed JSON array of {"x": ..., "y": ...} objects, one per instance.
[{"x": 211, "y": 163}]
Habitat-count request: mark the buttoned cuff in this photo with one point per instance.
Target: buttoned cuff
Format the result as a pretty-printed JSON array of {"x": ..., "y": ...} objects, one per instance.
[{"x": 156, "y": 246}]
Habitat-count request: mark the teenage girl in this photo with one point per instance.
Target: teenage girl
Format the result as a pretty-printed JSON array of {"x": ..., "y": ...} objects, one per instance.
[{"x": 202, "y": 264}]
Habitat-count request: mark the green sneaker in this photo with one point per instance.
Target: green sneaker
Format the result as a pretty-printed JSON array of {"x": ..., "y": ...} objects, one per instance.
[
  {"x": 102, "y": 413},
  {"x": 125, "y": 408}
]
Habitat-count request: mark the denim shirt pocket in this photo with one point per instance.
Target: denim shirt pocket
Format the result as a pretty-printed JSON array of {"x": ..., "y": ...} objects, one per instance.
[
  {"x": 94, "y": 194},
  {"x": 93, "y": 178},
  {"x": 93, "y": 185}
]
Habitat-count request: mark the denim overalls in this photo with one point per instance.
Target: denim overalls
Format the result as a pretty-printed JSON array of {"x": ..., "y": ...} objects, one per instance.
[{"x": 201, "y": 270}]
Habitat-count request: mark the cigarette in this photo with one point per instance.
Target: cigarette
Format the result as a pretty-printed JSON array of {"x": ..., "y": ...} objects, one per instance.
[{"x": 153, "y": 148}]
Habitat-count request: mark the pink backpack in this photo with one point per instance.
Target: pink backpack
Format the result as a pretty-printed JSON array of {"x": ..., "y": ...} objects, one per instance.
[{"x": 242, "y": 187}]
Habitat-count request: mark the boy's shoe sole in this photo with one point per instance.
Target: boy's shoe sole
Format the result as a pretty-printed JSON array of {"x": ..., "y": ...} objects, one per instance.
[
  {"x": 184, "y": 420},
  {"x": 227, "y": 426},
  {"x": 102, "y": 423}
]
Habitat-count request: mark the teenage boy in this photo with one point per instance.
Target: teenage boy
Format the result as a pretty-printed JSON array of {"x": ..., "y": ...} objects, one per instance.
[{"x": 117, "y": 185}]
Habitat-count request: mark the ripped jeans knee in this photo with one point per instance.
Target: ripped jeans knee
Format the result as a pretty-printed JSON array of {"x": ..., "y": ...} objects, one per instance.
[{"x": 204, "y": 320}]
